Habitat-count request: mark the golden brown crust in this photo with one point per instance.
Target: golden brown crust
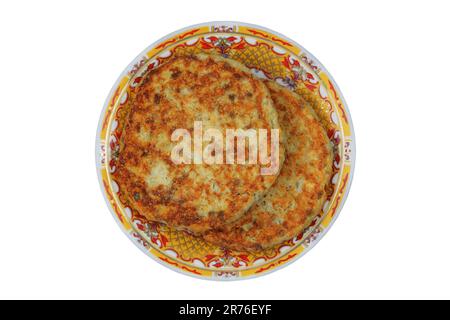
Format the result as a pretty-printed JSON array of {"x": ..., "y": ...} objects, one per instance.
[
  {"x": 222, "y": 94},
  {"x": 300, "y": 190}
]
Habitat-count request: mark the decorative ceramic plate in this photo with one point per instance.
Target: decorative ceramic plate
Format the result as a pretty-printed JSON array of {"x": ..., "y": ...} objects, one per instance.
[{"x": 269, "y": 55}]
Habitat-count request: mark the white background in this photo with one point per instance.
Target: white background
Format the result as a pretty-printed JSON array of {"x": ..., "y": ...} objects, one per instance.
[{"x": 58, "y": 61}]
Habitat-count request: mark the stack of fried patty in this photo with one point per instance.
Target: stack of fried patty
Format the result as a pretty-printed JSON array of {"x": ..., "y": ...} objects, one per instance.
[{"x": 231, "y": 205}]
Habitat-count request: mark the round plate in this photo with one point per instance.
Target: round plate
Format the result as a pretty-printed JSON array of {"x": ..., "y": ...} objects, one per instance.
[{"x": 269, "y": 55}]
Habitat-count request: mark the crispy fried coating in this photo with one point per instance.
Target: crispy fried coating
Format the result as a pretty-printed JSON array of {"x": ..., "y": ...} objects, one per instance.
[
  {"x": 298, "y": 194},
  {"x": 221, "y": 93}
]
